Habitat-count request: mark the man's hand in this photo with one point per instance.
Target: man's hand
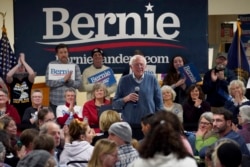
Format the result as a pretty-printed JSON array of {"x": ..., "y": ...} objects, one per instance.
[
  {"x": 134, "y": 97},
  {"x": 67, "y": 76}
]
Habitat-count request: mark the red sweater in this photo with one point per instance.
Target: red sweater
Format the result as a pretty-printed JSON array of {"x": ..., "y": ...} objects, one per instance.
[
  {"x": 12, "y": 112},
  {"x": 90, "y": 111}
]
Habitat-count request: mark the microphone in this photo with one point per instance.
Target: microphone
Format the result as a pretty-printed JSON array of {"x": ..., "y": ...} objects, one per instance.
[{"x": 137, "y": 89}]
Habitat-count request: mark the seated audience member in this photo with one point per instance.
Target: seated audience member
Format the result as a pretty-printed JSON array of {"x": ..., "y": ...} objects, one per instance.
[
  {"x": 194, "y": 106},
  {"x": 107, "y": 118},
  {"x": 244, "y": 121},
  {"x": 37, "y": 158},
  {"x": 44, "y": 142},
  {"x": 146, "y": 122},
  {"x": 164, "y": 146},
  {"x": 92, "y": 107},
  {"x": 30, "y": 114},
  {"x": 7, "y": 109},
  {"x": 175, "y": 80},
  {"x": 79, "y": 149},
  {"x": 68, "y": 111},
  {"x": 168, "y": 96},
  {"x": 2, "y": 156},
  {"x": 237, "y": 91},
  {"x": 45, "y": 115},
  {"x": 105, "y": 154},
  {"x": 53, "y": 129},
  {"x": 121, "y": 133},
  {"x": 20, "y": 80},
  {"x": 227, "y": 153},
  {"x": 216, "y": 81},
  {"x": 2, "y": 84},
  {"x": 205, "y": 135},
  {"x": 27, "y": 137},
  {"x": 12, "y": 156},
  {"x": 222, "y": 125},
  {"x": 10, "y": 127},
  {"x": 95, "y": 68}
]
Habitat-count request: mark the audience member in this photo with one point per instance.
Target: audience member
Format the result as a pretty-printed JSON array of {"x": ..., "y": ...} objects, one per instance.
[
  {"x": 7, "y": 109},
  {"x": 20, "y": 80},
  {"x": 30, "y": 114},
  {"x": 146, "y": 122},
  {"x": 69, "y": 111},
  {"x": 91, "y": 108},
  {"x": 44, "y": 142},
  {"x": 168, "y": 96},
  {"x": 121, "y": 133},
  {"x": 222, "y": 125},
  {"x": 107, "y": 118},
  {"x": 27, "y": 137},
  {"x": 37, "y": 158},
  {"x": 2, "y": 155},
  {"x": 215, "y": 82},
  {"x": 10, "y": 127},
  {"x": 237, "y": 92},
  {"x": 244, "y": 121},
  {"x": 97, "y": 67},
  {"x": 194, "y": 106},
  {"x": 79, "y": 149},
  {"x": 45, "y": 115},
  {"x": 58, "y": 87},
  {"x": 105, "y": 154},
  {"x": 174, "y": 79},
  {"x": 164, "y": 146},
  {"x": 137, "y": 94}
]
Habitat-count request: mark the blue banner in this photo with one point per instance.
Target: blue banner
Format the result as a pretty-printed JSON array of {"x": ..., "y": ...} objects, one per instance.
[
  {"x": 160, "y": 29},
  {"x": 190, "y": 72},
  {"x": 106, "y": 77}
]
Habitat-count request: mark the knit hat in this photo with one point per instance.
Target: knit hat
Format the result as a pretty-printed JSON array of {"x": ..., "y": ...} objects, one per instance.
[
  {"x": 36, "y": 158},
  {"x": 96, "y": 50},
  {"x": 122, "y": 130},
  {"x": 229, "y": 155},
  {"x": 245, "y": 112}
]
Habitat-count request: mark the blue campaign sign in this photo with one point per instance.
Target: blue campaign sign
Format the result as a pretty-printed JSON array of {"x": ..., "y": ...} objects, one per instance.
[
  {"x": 106, "y": 77},
  {"x": 160, "y": 29}
]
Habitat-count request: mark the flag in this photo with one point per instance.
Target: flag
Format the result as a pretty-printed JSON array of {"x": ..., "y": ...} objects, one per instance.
[
  {"x": 237, "y": 59},
  {"x": 7, "y": 58}
]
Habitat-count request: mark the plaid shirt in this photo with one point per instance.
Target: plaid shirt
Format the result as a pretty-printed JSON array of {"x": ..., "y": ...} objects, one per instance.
[
  {"x": 58, "y": 87},
  {"x": 127, "y": 154}
]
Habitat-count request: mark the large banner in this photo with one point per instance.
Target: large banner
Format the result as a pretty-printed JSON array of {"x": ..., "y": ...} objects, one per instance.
[{"x": 159, "y": 28}]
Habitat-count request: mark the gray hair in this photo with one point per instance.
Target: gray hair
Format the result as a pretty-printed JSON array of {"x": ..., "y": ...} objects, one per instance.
[
  {"x": 208, "y": 116},
  {"x": 245, "y": 113},
  {"x": 133, "y": 58},
  {"x": 239, "y": 83},
  {"x": 45, "y": 127},
  {"x": 169, "y": 89}
]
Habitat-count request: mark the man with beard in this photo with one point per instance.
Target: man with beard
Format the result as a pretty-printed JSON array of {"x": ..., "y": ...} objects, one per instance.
[
  {"x": 97, "y": 69},
  {"x": 222, "y": 124},
  {"x": 58, "y": 86}
]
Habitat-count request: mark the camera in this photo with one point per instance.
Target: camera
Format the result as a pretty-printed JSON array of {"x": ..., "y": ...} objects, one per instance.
[{"x": 219, "y": 67}]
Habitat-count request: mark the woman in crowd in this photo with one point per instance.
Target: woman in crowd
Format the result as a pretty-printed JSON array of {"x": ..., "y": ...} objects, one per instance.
[
  {"x": 92, "y": 107},
  {"x": 236, "y": 90},
  {"x": 65, "y": 113},
  {"x": 107, "y": 118},
  {"x": 45, "y": 115},
  {"x": 79, "y": 149},
  {"x": 105, "y": 154},
  {"x": 204, "y": 135},
  {"x": 194, "y": 106},
  {"x": 175, "y": 80},
  {"x": 163, "y": 146},
  {"x": 244, "y": 121},
  {"x": 169, "y": 95}
]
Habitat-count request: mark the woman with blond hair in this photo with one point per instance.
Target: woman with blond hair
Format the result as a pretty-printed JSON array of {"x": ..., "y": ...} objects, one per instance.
[
  {"x": 105, "y": 154},
  {"x": 79, "y": 149},
  {"x": 92, "y": 107},
  {"x": 106, "y": 119}
]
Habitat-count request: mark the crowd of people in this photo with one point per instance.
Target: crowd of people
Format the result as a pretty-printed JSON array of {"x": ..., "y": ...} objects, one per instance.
[{"x": 146, "y": 123}]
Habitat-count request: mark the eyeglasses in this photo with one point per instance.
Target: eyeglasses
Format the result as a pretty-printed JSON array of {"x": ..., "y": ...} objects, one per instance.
[{"x": 205, "y": 123}]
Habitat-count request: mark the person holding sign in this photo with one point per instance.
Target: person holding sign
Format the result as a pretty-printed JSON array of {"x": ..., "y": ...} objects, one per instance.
[
  {"x": 98, "y": 72},
  {"x": 137, "y": 95},
  {"x": 60, "y": 75}
]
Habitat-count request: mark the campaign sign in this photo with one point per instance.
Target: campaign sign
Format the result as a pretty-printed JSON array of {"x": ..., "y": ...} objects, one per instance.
[
  {"x": 161, "y": 29},
  {"x": 58, "y": 71},
  {"x": 190, "y": 72},
  {"x": 106, "y": 77}
]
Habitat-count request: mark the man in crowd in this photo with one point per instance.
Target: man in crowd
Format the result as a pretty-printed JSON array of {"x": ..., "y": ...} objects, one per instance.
[{"x": 58, "y": 86}]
